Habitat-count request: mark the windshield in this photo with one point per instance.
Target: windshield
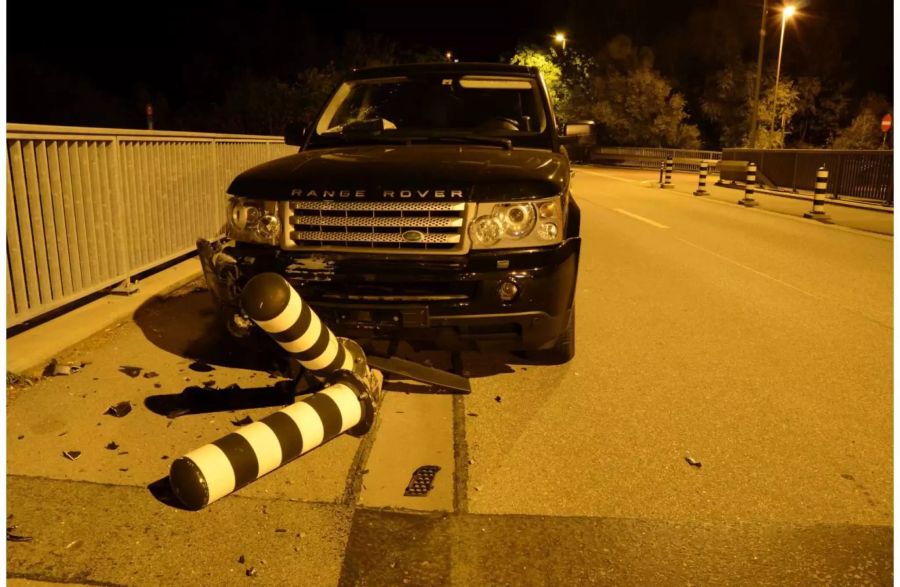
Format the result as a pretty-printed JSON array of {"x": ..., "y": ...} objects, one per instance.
[{"x": 434, "y": 106}]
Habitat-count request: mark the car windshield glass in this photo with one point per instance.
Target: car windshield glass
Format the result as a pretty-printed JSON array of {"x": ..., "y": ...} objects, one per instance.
[{"x": 435, "y": 106}]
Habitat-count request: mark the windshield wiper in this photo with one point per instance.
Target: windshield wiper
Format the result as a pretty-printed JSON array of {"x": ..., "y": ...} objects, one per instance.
[{"x": 475, "y": 140}]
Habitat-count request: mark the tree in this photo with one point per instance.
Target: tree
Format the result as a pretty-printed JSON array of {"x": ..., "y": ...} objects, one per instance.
[
  {"x": 634, "y": 105},
  {"x": 551, "y": 71},
  {"x": 864, "y": 132}
]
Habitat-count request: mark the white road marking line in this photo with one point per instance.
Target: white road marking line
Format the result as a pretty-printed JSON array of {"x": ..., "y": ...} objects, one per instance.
[
  {"x": 610, "y": 176},
  {"x": 641, "y": 218}
]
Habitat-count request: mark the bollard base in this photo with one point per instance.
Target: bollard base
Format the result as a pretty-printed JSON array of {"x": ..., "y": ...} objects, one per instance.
[
  {"x": 701, "y": 193},
  {"x": 667, "y": 186},
  {"x": 748, "y": 202},
  {"x": 819, "y": 217}
]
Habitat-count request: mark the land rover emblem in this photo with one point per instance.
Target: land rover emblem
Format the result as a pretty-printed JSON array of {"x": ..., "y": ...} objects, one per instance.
[{"x": 413, "y": 236}]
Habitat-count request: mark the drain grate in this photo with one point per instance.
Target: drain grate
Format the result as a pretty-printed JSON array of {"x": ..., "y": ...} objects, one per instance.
[{"x": 421, "y": 482}]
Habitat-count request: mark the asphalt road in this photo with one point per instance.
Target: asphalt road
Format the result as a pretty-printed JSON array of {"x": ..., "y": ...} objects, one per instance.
[{"x": 756, "y": 343}]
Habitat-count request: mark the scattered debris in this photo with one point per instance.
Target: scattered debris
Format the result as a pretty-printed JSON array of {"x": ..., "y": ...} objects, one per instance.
[
  {"x": 209, "y": 383},
  {"x": 71, "y": 454},
  {"x": 232, "y": 387},
  {"x": 241, "y": 559},
  {"x": 471, "y": 461},
  {"x": 201, "y": 367},
  {"x": 124, "y": 469},
  {"x": 243, "y": 421},
  {"x": 55, "y": 368},
  {"x": 479, "y": 487},
  {"x": 123, "y": 452},
  {"x": 119, "y": 410},
  {"x": 21, "y": 436},
  {"x": 157, "y": 385},
  {"x": 130, "y": 371},
  {"x": 150, "y": 374},
  {"x": 422, "y": 481},
  {"x": 251, "y": 572},
  {"x": 692, "y": 462},
  {"x": 165, "y": 457},
  {"x": 473, "y": 414},
  {"x": 280, "y": 530},
  {"x": 63, "y": 433},
  {"x": 73, "y": 544},
  {"x": 498, "y": 399},
  {"x": 112, "y": 445},
  {"x": 10, "y": 537}
]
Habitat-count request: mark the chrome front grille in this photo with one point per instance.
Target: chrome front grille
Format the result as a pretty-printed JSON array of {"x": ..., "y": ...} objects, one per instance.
[{"x": 376, "y": 226}]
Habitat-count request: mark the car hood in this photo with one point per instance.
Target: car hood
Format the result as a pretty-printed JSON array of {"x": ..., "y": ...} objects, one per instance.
[{"x": 408, "y": 172}]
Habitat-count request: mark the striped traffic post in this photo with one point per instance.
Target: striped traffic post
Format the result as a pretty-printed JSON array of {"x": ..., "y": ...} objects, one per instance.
[
  {"x": 818, "y": 209},
  {"x": 667, "y": 182},
  {"x": 213, "y": 471},
  {"x": 701, "y": 187},
  {"x": 748, "y": 188}
]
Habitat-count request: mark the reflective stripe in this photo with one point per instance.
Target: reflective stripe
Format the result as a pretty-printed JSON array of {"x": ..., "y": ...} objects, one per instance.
[
  {"x": 216, "y": 469},
  {"x": 308, "y": 422},
  {"x": 265, "y": 444},
  {"x": 347, "y": 403},
  {"x": 327, "y": 356},
  {"x": 286, "y": 318}
]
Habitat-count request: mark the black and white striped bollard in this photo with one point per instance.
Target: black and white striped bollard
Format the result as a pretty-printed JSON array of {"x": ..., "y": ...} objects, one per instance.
[
  {"x": 750, "y": 181},
  {"x": 213, "y": 471},
  {"x": 701, "y": 187},
  {"x": 667, "y": 182},
  {"x": 818, "y": 209},
  {"x": 276, "y": 307}
]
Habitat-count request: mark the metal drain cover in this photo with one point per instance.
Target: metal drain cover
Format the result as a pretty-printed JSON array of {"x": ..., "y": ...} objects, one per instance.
[{"x": 421, "y": 482}]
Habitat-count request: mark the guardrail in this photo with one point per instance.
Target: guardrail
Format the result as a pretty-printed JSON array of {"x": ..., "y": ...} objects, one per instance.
[
  {"x": 650, "y": 157},
  {"x": 87, "y": 208},
  {"x": 867, "y": 175}
]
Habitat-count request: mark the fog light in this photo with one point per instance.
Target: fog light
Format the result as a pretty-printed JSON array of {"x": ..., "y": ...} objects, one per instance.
[
  {"x": 508, "y": 291},
  {"x": 268, "y": 226},
  {"x": 548, "y": 231}
]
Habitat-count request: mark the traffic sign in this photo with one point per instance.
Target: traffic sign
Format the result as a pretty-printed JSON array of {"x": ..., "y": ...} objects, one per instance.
[{"x": 886, "y": 122}]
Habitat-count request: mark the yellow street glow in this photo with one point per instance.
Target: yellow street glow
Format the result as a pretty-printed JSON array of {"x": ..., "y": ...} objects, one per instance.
[{"x": 789, "y": 10}]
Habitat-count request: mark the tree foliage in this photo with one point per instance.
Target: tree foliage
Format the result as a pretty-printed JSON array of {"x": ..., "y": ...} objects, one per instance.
[{"x": 864, "y": 131}]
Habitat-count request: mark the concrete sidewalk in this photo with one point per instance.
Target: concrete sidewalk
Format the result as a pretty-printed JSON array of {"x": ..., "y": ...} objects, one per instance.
[{"x": 31, "y": 350}]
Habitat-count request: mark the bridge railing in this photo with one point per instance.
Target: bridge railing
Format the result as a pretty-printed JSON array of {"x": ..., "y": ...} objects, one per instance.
[
  {"x": 866, "y": 175},
  {"x": 650, "y": 157},
  {"x": 86, "y": 208}
]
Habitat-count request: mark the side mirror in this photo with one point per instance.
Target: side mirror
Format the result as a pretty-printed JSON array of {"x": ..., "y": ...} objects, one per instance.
[
  {"x": 294, "y": 134},
  {"x": 568, "y": 140}
]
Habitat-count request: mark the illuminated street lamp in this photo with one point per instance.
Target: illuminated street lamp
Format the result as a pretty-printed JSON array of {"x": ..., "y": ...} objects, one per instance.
[
  {"x": 449, "y": 55},
  {"x": 787, "y": 12},
  {"x": 561, "y": 39}
]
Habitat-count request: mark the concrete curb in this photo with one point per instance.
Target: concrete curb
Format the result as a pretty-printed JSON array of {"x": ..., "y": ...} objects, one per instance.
[
  {"x": 829, "y": 200},
  {"x": 32, "y": 350}
]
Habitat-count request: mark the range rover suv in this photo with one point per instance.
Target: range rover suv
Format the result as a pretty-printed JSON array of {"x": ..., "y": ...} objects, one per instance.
[{"x": 427, "y": 202}]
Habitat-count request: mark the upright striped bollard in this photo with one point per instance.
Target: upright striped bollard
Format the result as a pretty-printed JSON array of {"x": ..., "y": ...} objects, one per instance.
[
  {"x": 662, "y": 170},
  {"x": 701, "y": 187},
  {"x": 818, "y": 209},
  {"x": 750, "y": 181},
  {"x": 667, "y": 182},
  {"x": 213, "y": 471}
]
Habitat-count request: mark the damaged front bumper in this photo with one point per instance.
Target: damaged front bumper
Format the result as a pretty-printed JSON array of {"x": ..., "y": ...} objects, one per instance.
[{"x": 455, "y": 302}]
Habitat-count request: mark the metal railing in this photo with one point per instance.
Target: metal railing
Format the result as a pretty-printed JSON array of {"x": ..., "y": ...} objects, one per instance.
[
  {"x": 866, "y": 175},
  {"x": 650, "y": 157},
  {"x": 86, "y": 208}
]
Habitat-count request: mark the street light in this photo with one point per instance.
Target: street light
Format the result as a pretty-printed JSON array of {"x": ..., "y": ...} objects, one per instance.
[
  {"x": 449, "y": 55},
  {"x": 787, "y": 12},
  {"x": 561, "y": 39}
]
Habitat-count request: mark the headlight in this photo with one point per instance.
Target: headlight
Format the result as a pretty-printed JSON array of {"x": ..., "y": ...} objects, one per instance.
[
  {"x": 253, "y": 221},
  {"x": 517, "y": 224}
]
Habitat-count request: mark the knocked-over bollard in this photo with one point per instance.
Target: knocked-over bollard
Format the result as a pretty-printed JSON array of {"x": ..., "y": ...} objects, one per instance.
[
  {"x": 224, "y": 466},
  {"x": 701, "y": 187},
  {"x": 748, "y": 189},
  {"x": 667, "y": 181},
  {"x": 818, "y": 209}
]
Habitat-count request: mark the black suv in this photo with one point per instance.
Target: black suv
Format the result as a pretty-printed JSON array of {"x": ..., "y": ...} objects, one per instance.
[{"x": 427, "y": 202}]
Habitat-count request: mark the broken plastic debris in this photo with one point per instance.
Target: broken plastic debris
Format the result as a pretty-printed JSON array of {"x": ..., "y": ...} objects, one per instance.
[
  {"x": 55, "y": 368},
  {"x": 209, "y": 383},
  {"x": 251, "y": 572},
  {"x": 112, "y": 445},
  {"x": 73, "y": 543},
  {"x": 422, "y": 481},
  {"x": 150, "y": 374},
  {"x": 243, "y": 421},
  {"x": 473, "y": 414},
  {"x": 130, "y": 371},
  {"x": 280, "y": 530},
  {"x": 692, "y": 462},
  {"x": 71, "y": 454},
  {"x": 498, "y": 399},
  {"x": 10, "y": 537},
  {"x": 119, "y": 410},
  {"x": 241, "y": 559}
]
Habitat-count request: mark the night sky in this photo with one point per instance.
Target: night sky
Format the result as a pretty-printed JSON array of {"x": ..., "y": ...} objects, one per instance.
[{"x": 178, "y": 49}]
